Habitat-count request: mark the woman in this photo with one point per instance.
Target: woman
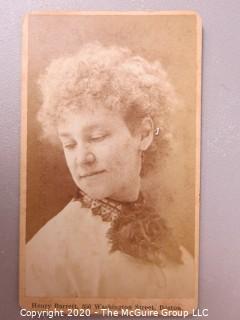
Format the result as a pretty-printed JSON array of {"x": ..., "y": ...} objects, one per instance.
[{"x": 104, "y": 104}]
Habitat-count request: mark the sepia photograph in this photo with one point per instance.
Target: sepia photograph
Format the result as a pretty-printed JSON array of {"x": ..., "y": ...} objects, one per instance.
[{"x": 110, "y": 160}]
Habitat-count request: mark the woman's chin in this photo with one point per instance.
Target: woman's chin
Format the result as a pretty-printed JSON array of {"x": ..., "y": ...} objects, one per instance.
[{"x": 96, "y": 194}]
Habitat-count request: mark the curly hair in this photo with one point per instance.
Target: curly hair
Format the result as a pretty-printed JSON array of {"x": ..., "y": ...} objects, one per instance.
[{"x": 114, "y": 78}]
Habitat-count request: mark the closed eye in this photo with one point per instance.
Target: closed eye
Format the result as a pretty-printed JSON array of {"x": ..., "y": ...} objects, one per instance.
[
  {"x": 69, "y": 145},
  {"x": 98, "y": 138}
]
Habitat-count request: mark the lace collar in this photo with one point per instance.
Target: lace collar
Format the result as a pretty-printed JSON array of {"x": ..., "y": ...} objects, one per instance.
[
  {"x": 108, "y": 209},
  {"x": 135, "y": 228}
]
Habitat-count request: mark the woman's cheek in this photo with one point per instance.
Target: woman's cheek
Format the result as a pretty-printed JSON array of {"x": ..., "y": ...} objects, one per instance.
[
  {"x": 105, "y": 150},
  {"x": 71, "y": 163}
]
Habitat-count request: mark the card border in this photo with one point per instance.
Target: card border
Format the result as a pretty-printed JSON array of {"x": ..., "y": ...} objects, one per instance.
[{"x": 24, "y": 301}]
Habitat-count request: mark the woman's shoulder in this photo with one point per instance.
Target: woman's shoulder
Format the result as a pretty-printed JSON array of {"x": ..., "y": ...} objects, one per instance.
[
  {"x": 71, "y": 216},
  {"x": 147, "y": 279},
  {"x": 74, "y": 224}
]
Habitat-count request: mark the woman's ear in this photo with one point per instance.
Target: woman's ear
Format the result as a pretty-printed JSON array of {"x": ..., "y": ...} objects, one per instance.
[{"x": 146, "y": 133}]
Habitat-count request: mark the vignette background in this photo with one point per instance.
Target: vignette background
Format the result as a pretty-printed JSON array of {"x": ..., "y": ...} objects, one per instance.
[{"x": 171, "y": 39}]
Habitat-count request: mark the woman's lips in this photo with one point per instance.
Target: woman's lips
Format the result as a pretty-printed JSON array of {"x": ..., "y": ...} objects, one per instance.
[{"x": 91, "y": 174}]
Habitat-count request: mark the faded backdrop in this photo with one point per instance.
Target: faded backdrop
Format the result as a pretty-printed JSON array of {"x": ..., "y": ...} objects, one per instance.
[{"x": 169, "y": 39}]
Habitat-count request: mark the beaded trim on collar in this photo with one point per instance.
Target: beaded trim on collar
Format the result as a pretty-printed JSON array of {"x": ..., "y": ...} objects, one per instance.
[{"x": 108, "y": 209}]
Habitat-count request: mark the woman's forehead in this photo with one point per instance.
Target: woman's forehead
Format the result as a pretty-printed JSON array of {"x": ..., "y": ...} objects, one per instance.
[{"x": 89, "y": 119}]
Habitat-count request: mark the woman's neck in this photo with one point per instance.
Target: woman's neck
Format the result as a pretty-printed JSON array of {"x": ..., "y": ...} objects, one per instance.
[{"x": 129, "y": 193}]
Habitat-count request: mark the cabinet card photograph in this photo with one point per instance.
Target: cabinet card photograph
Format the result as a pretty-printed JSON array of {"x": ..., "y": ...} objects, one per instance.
[{"x": 110, "y": 161}]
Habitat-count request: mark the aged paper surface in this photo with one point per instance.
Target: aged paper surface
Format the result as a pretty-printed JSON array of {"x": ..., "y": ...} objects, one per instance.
[{"x": 110, "y": 161}]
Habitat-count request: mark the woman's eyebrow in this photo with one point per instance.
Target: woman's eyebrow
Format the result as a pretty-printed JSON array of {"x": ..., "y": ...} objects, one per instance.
[
  {"x": 64, "y": 134},
  {"x": 86, "y": 130},
  {"x": 94, "y": 126}
]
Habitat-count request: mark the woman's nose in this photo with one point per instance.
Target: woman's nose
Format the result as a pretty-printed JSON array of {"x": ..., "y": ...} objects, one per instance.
[
  {"x": 85, "y": 157},
  {"x": 90, "y": 157}
]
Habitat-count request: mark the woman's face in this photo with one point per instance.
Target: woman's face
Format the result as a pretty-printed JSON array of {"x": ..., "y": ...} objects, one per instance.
[{"x": 104, "y": 158}]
